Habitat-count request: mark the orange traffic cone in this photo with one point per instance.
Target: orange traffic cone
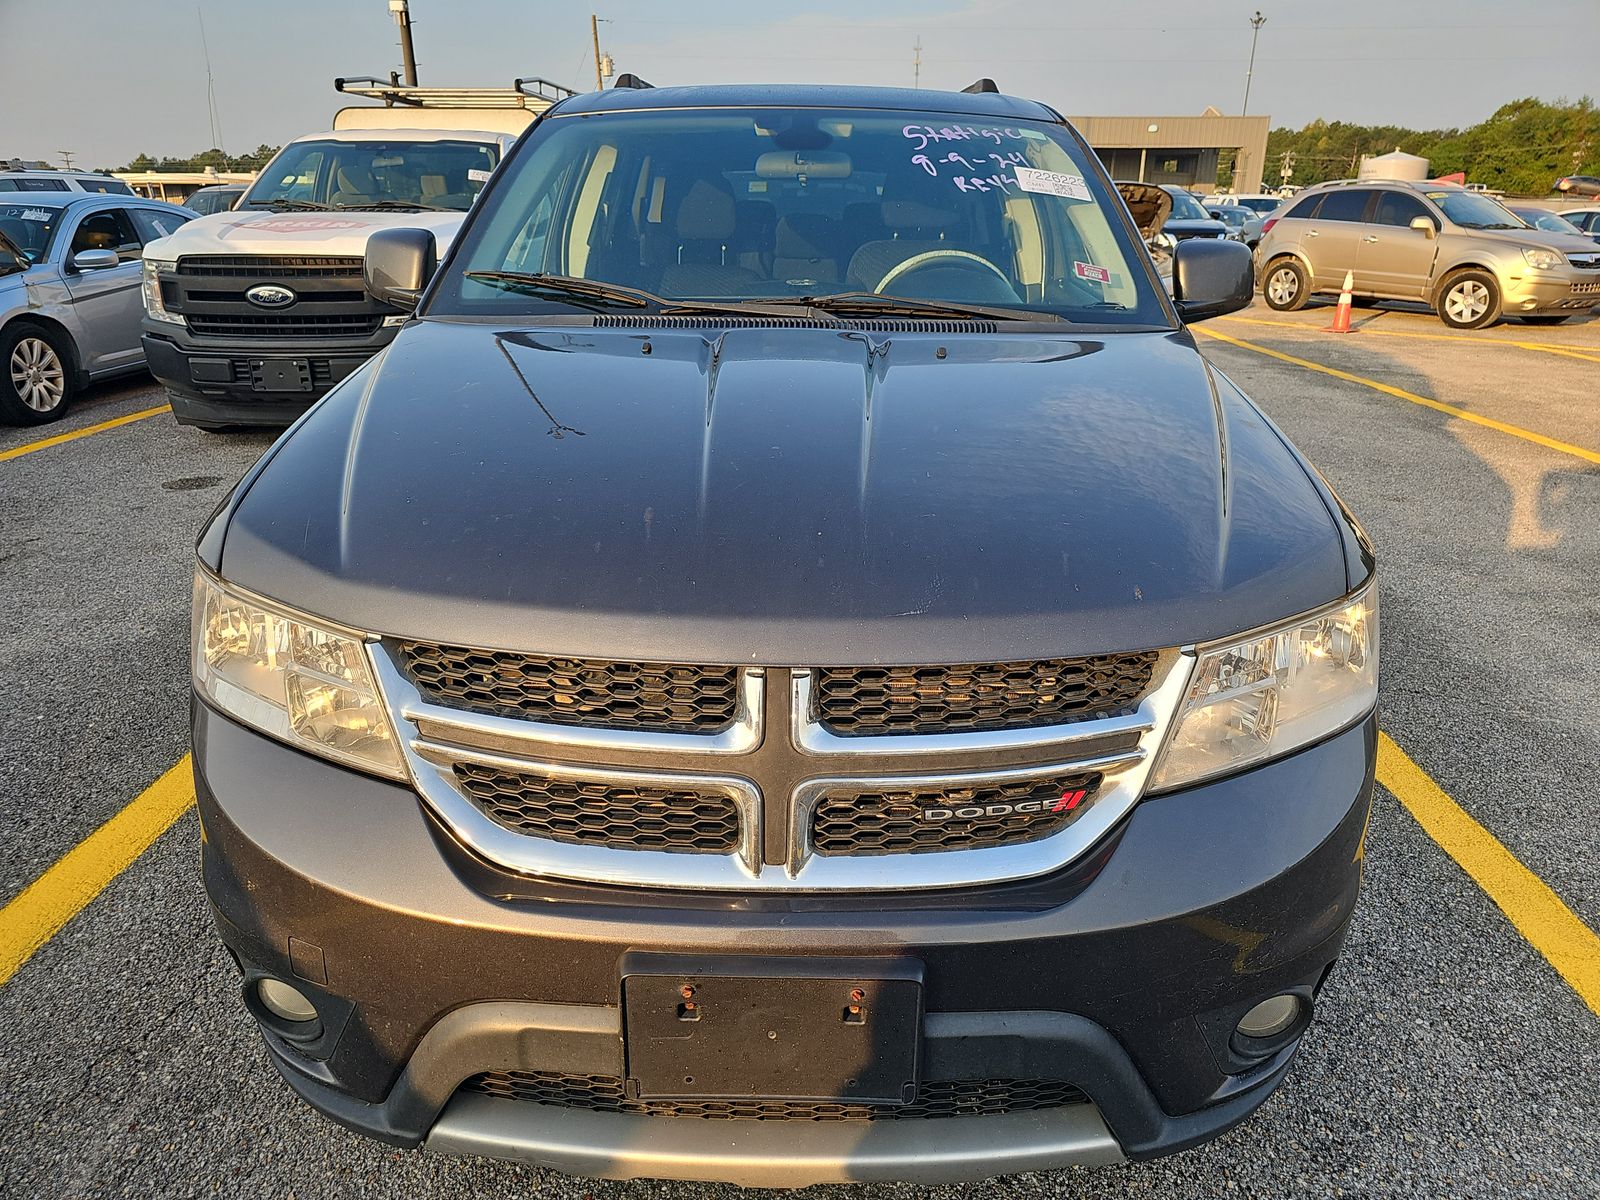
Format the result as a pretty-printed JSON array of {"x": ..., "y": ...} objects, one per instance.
[{"x": 1341, "y": 315}]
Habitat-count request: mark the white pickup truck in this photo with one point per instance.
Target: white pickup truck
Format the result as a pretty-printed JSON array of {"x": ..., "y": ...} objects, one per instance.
[{"x": 252, "y": 314}]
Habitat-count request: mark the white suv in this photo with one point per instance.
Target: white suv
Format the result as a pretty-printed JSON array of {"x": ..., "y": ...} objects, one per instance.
[{"x": 61, "y": 181}]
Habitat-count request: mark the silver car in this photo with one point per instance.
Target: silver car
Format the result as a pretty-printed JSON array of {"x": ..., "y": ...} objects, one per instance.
[
  {"x": 70, "y": 300},
  {"x": 1459, "y": 251}
]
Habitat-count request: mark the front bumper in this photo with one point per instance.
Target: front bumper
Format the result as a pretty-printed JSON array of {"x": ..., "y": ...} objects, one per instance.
[
  {"x": 1122, "y": 975},
  {"x": 1551, "y": 292},
  {"x": 217, "y": 382}
]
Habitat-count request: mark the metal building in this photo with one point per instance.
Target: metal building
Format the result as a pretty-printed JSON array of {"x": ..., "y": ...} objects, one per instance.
[{"x": 1181, "y": 150}]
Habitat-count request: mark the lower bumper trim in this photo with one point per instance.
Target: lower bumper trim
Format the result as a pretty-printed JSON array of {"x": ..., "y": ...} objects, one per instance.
[{"x": 774, "y": 1154}]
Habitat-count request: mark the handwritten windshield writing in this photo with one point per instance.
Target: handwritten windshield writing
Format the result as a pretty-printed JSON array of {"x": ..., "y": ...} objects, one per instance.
[{"x": 927, "y": 135}]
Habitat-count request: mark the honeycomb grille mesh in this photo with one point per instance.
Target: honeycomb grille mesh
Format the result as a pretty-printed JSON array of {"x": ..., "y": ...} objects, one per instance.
[
  {"x": 590, "y": 813},
  {"x": 603, "y": 1093},
  {"x": 862, "y": 701},
  {"x": 921, "y": 820},
  {"x": 660, "y": 698}
]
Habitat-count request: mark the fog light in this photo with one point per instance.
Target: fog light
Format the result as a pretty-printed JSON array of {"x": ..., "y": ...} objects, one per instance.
[
  {"x": 1269, "y": 1018},
  {"x": 281, "y": 1000}
]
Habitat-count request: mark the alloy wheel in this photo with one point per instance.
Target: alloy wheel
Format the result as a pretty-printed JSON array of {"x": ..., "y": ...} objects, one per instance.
[
  {"x": 1283, "y": 285},
  {"x": 1467, "y": 301},
  {"x": 37, "y": 375}
]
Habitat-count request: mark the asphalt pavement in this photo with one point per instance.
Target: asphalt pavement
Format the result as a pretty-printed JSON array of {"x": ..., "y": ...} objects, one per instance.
[{"x": 1448, "y": 1058}]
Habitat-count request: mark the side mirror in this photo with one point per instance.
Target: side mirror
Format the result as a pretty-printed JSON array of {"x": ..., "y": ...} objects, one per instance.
[
  {"x": 95, "y": 260},
  {"x": 1212, "y": 277},
  {"x": 1423, "y": 226},
  {"x": 399, "y": 264}
]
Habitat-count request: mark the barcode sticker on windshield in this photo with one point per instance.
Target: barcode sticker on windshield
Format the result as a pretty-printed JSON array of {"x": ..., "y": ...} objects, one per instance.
[
  {"x": 35, "y": 214},
  {"x": 477, "y": 176},
  {"x": 1052, "y": 183}
]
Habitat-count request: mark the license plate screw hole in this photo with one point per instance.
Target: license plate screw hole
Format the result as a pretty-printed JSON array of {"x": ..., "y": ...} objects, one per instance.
[
  {"x": 855, "y": 1015},
  {"x": 688, "y": 1012}
]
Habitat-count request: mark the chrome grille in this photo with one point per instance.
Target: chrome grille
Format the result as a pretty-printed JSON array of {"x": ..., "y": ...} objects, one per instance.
[
  {"x": 857, "y": 701},
  {"x": 593, "y": 813},
  {"x": 919, "y": 820},
  {"x": 572, "y": 691},
  {"x": 935, "y": 1099}
]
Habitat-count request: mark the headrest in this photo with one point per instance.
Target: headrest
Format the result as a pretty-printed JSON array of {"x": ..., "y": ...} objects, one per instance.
[
  {"x": 804, "y": 235},
  {"x": 913, "y": 214},
  {"x": 706, "y": 213},
  {"x": 358, "y": 180}
]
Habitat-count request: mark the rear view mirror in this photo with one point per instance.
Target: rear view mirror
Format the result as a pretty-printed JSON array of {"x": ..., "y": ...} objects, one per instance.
[
  {"x": 399, "y": 264},
  {"x": 1424, "y": 226},
  {"x": 814, "y": 164},
  {"x": 1211, "y": 277},
  {"x": 95, "y": 260}
]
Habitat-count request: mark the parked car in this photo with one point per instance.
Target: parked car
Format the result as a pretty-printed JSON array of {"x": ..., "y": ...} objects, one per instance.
[
  {"x": 61, "y": 181},
  {"x": 214, "y": 198},
  {"x": 1188, "y": 219},
  {"x": 1263, "y": 204},
  {"x": 1586, "y": 219},
  {"x": 1577, "y": 185},
  {"x": 791, "y": 632},
  {"x": 1545, "y": 221},
  {"x": 1462, "y": 252},
  {"x": 69, "y": 294},
  {"x": 1244, "y": 224}
]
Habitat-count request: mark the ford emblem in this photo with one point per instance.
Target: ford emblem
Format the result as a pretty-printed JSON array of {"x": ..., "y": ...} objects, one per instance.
[{"x": 270, "y": 295}]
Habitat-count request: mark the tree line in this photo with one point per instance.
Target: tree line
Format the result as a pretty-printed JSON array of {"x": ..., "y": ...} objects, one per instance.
[
  {"x": 1522, "y": 149},
  {"x": 215, "y": 159}
]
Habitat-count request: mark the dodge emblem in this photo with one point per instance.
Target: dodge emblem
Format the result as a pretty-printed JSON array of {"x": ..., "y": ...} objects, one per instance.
[{"x": 270, "y": 295}]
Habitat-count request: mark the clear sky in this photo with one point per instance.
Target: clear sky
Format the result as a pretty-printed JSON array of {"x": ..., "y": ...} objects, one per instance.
[{"x": 108, "y": 79}]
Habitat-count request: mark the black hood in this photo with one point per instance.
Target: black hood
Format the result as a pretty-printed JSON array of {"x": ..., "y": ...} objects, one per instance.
[{"x": 788, "y": 496}]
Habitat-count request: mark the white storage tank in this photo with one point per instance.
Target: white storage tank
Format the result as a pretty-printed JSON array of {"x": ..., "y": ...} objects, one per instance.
[{"x": 1398, "y": 165}]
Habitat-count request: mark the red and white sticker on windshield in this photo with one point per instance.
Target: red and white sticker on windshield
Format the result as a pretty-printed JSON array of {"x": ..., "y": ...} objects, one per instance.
[{"x": 1090, "y": 271}]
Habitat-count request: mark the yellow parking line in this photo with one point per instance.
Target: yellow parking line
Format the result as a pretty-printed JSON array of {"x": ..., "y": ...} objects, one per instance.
[
  {"x": 1526, "y": 435},
  {"x": 1541, "y": 347},
  {"x": 1550, "y": 927},
  {"x": 46, "y": 443},
  {"x": 49, "y": 902}
]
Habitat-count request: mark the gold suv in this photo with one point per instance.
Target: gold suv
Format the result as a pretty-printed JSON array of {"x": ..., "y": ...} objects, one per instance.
[{"x": 1460, "y": 251}]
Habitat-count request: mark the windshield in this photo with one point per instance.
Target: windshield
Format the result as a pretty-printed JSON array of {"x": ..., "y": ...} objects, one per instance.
[
  {"x": 1471, "y": 210},
  {"x": 375, "y": 175},
  {"x": 1185, "y": 207},
  {"x": 30, "y": 228},
  {"x": 773, "y": 206}
]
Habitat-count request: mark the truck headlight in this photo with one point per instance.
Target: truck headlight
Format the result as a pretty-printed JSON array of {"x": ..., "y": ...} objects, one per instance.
[
  {"x": 154, "y": 306},
  {"x": 1543, "y": 260},
  {"x": 299, "y": 680},
  {"x": 1272, "y": 692}
]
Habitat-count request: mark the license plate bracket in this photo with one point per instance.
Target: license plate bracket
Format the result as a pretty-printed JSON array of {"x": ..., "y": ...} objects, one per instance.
[
  {"x": 280, "y": 375},
  {"x": 820, "y": 1030}
]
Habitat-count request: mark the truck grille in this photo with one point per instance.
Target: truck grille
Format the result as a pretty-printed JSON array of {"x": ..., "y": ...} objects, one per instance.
[
  {"x": 585, "y": 812},
  {"x": 655, "y": 697},
  {"x": 281, "y": 266},
  {"x": 238, "y": 325},
  {"x": 857, "y": 701},
  {"x": 922, "y": 819},
  {"x": 936, "y": 1099}
]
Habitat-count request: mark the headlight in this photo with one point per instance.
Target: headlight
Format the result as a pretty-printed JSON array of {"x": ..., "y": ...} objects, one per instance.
[
  {"x": 1273, "y": 692},
  {"x": 1543, "y": 260},
  {"x": 286, "y": 675},
  {"x": 154, "y": 306}
]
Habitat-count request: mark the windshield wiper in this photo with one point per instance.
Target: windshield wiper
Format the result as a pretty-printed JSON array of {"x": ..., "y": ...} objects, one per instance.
[
  {"x": 285, "y": 202},
  {"x": 567, "y": 286},
  {"x": 408, "y": 204},
  {"x": 873, "y": 303}
]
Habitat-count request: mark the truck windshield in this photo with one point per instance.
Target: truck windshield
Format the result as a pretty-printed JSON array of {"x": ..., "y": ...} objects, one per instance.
[
  {"x": 375, "y": 174},
  {"x": 773, "y": 208}
]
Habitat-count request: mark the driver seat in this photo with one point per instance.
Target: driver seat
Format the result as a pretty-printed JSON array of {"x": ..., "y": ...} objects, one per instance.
[
  {"x": 357, "y": 186},
  {"x": 914, "y": 228}
]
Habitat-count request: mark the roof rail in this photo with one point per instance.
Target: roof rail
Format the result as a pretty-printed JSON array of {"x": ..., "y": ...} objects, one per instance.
[
  {"x": 629, "y": 80},
  {"x": 979, "y": 87},
  {"x": 532, "y": 93}
]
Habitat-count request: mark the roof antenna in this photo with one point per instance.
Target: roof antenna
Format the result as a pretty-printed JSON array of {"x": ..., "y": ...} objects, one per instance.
[
  {"x": 211, "y": 84},
  {"x": 980, "y": 87}
]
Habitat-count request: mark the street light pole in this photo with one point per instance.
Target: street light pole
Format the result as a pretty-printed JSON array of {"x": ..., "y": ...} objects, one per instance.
[
  {"x": 401, "y": 11},
  {"x": 1256, "y": 22}
]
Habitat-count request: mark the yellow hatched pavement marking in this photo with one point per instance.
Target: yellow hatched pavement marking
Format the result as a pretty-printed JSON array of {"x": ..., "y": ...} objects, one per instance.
[
  {"x": 1550, "y": 927},
  {"x": 1515, "y": 431},
  {"x": 74, "y": 435},
  {"x": 40, "y": 910}
]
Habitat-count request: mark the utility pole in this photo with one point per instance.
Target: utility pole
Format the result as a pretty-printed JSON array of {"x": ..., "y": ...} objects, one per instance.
[
  {"x": 66, "y": 159},
  {"x": 401, "y": 11},
  {"x": 1256, "y": 22},
  {"x": 916, "y": 64},
  {"x": 594, "y": 34}
]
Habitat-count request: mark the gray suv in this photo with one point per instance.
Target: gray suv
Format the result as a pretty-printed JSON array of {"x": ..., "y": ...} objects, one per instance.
[{"x": 1460, "y": 251}]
